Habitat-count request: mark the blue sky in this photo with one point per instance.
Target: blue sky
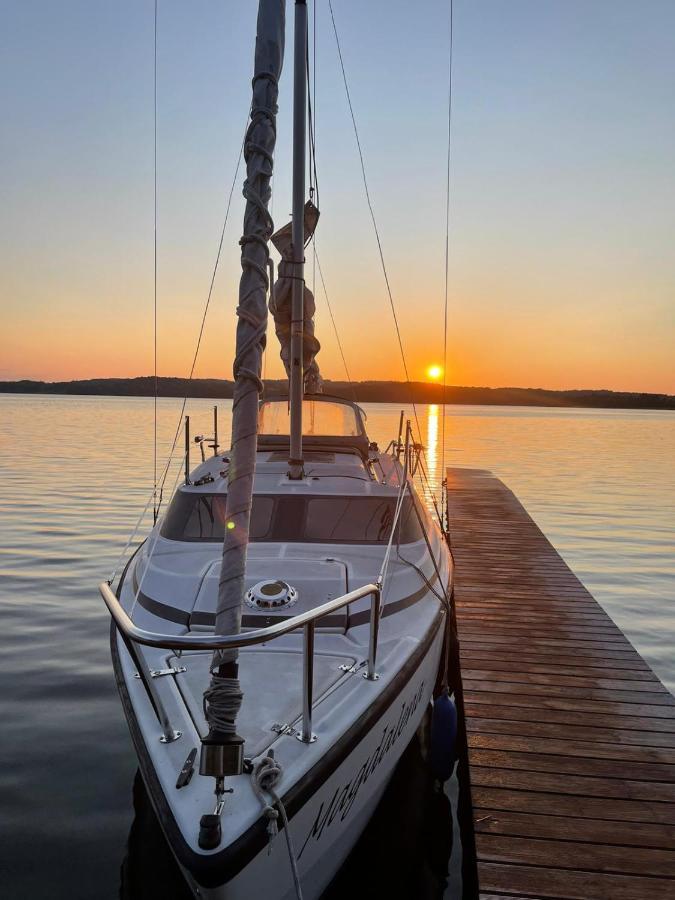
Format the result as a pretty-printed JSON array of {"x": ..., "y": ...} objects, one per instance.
[{"x": 563, "y": 195}]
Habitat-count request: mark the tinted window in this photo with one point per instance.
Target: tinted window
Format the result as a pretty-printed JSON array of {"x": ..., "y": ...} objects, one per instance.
[
  {"x": 362, "y": 519},
  {"x": 201, "y": 517},
  {"x": 409, "y": 524},
  {"x": 335, "y": 520}
]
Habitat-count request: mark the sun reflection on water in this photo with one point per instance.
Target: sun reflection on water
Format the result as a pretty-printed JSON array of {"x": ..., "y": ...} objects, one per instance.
[{"x": 432, "y": 444}]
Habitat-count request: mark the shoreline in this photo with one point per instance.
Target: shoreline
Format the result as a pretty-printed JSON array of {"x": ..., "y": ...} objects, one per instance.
[{"x": 362, "y": 392}]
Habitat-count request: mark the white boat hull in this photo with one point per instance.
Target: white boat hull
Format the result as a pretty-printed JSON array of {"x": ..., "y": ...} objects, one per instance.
[
  {"x": 340, "y": 520},
  {"x": 326, "y": 823}
]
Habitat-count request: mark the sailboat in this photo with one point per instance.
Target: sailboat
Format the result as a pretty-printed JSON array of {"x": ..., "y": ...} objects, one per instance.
[{"x": 278, "y": 637}]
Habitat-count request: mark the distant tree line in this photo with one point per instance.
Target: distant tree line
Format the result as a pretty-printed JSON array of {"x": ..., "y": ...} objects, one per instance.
[{"x": 362, "y": 391}]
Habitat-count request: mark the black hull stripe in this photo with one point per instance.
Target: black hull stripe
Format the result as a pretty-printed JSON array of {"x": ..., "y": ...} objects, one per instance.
[{"x": 181, "y": 617}]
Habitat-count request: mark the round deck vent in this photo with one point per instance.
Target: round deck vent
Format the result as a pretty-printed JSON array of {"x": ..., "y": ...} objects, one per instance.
[{"x": 271, "y": 594}]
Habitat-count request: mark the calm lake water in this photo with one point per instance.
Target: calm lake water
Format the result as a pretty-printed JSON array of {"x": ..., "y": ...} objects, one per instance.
[{"x": 76, "y": 472}]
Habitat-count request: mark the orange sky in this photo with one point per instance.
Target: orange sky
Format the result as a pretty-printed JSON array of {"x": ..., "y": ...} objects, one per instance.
[{"x": 553, "y": 351}]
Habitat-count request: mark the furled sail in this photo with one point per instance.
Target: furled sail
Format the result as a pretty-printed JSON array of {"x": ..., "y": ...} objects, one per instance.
[
  {"x": 281, "y": 303},
  {"x": 223, "y": 697}
]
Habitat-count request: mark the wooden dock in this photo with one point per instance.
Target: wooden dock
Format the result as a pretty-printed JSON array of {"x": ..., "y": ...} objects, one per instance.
[{"x": 570, "y": 735}]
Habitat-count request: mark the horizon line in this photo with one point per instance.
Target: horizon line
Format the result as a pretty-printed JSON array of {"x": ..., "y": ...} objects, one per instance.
[{"x": 437, "y": 385}]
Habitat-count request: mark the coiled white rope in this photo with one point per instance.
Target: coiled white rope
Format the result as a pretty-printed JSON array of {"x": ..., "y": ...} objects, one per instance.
[
  {"x": 266, "y": 773},
  {"x": 223, "y": 696}
]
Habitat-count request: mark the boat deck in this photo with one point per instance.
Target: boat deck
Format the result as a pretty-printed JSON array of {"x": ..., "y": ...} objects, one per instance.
[{"x": 570, "y": 735}]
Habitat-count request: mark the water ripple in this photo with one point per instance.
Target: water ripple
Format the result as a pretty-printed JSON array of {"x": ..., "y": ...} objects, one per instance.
[{"x": 600, "y": 484}]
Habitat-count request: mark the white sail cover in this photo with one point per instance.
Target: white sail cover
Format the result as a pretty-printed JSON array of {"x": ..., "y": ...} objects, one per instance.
[
  {"x": 223, "y": 697},
  {"x": 281, "y": 303}
]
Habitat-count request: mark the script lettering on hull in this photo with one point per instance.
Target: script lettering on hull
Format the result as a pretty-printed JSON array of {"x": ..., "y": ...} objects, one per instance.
[{"x": 344, "y": 796}]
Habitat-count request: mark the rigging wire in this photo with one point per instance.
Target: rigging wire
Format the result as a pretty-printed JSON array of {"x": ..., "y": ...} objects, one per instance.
[
  {"x": 379, "y": 242},
  {"x": 203, "y": 322},
  {"x": 314, "y": 65},
  {"x": 311, "y": 112},
  {"x": 311, "y": 93},
  {"x": 332, "y": 318},
  {"x": 154, "y": 455},
  {"x": 170, "y": 458},
  {"x": 447, "y": 258},
  {"x": 152, "y": 545}
]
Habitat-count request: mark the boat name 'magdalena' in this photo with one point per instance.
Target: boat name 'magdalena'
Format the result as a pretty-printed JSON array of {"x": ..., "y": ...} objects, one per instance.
[{"x": 347, "y": 793}]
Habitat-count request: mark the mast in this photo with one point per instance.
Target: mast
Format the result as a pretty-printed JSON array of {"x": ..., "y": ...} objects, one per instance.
[
  {"x": 222, "y": 749},
  {"x": 292, "y": 302},
  {"x": 297, "y": 375}
]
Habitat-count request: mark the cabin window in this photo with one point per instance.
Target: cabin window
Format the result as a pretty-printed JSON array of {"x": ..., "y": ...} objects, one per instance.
[
  {"x": 193, "y": 516},
  {"x": 201, "y": 517},
  {"x": 319, "y": 419},
  {"x": 409, "y": 525},
  {"x": 361, "y": 519}
]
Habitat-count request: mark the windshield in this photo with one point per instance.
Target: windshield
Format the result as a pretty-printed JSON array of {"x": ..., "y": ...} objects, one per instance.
[
  {"x": 331, "y": 520},
  {"x": 319, "y": 418}
]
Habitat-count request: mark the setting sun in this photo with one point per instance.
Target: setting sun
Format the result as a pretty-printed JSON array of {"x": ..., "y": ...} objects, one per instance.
[{"x": 434, "y": 372}]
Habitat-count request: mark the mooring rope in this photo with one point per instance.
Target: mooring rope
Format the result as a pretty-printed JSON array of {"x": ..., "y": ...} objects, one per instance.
[{"x": 266, "y": 773}]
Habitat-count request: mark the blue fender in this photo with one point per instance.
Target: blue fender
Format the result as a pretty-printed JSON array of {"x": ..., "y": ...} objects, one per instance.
[{"x": 442, "y": 753}]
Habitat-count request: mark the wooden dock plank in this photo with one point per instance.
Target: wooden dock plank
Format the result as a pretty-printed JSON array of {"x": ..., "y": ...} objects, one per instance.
[
  {"x": 497, "y": 653},
  {"x": 569, "y": 854},
  {"x": 519, "y": 673},
  {"x": 574, "y": 806},
  {"x": 569, "y": 747},
  {"x": 502, "y": 726},
  {"x": 499, "y": 774},
  {"x": 529, "y": 687},
  {"x": 565, "y": 828},
  {"x": 560, "y": 666},
  {"x": 570, "y": 737},
  {"x": 566, "y": 763},
  {"x": 503, "y": 880},
  {"x": 602, "y": 707}
]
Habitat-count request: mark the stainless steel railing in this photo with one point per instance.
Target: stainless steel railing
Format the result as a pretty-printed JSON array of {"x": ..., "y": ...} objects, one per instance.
[{"x": 133, "y": 635}]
